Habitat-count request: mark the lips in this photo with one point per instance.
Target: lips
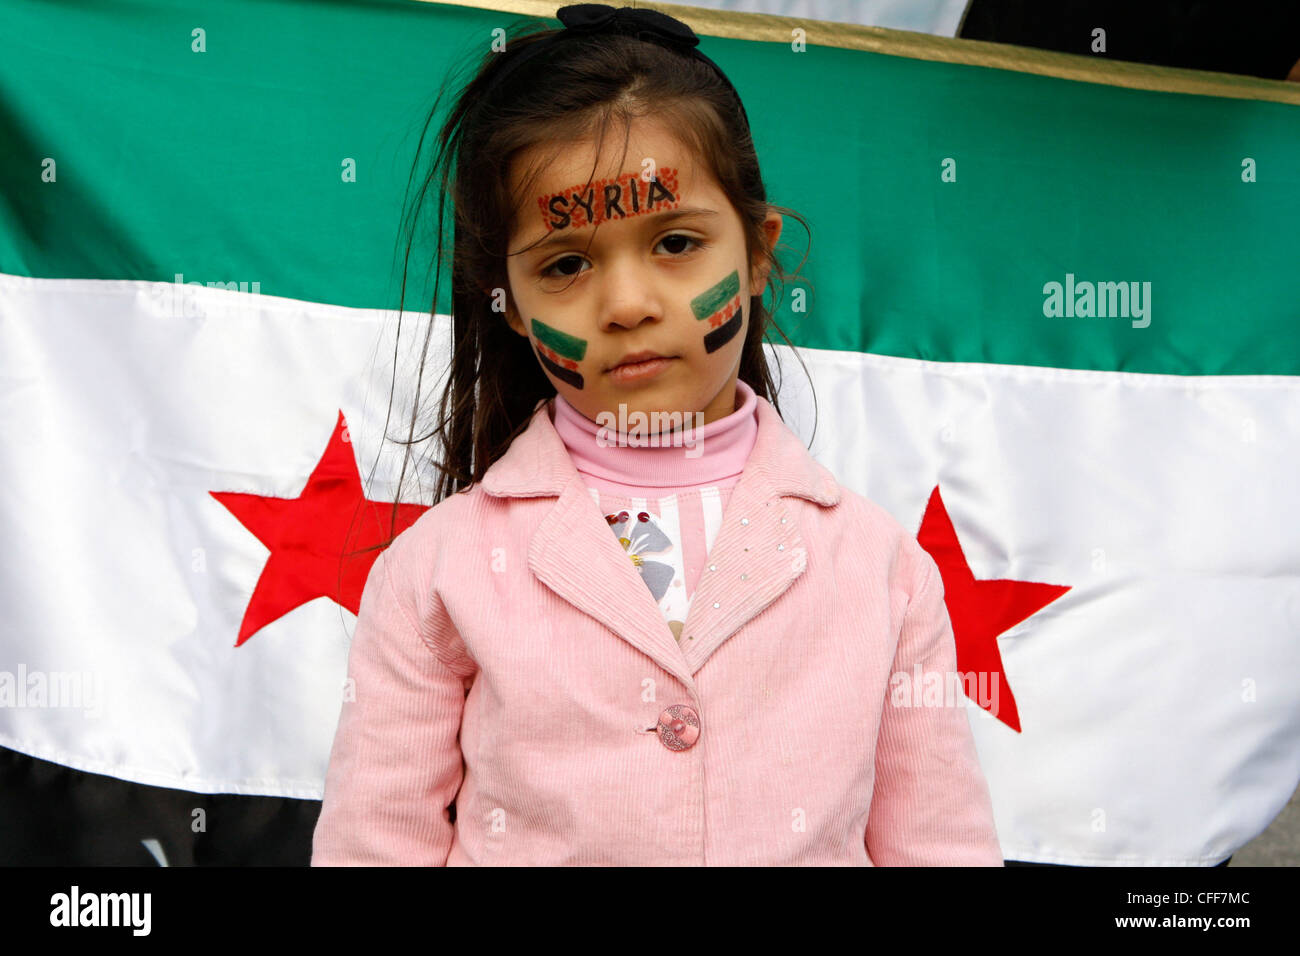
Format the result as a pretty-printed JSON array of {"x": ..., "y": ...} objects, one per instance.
[
  {"x": 639, "y": 373},
  {"x": 633, "y": 357}
]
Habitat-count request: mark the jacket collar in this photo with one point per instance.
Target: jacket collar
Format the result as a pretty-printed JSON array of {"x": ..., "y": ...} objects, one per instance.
[
  {"x": 537, "y": 464},
  {"x": 759, "y": 551}
]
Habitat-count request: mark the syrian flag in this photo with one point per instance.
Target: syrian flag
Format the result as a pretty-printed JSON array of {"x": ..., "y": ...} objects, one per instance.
[{"x": 1048, "y": 314}]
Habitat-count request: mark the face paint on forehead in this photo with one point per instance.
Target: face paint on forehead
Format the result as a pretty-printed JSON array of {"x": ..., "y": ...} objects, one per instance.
[
  {"x": 622, "y": 197},
  {"x": 559, "y": 353},
  {"x": 720, "y": 307}
]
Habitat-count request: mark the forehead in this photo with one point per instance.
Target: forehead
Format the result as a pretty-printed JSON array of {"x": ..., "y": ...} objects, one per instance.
[{"x": 562, "y": 187}]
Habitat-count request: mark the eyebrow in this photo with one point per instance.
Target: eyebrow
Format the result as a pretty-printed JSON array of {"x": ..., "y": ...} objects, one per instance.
[{"x": 657, "y": 218}]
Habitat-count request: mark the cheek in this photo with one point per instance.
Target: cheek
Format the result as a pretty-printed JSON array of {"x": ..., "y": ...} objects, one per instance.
[
  {"x": 559, "y": 352},
  {"x": 718, "y": 312}
]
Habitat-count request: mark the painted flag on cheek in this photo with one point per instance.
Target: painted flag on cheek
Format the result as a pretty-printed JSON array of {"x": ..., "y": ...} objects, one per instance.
[{"x": 1049, "y": 315}]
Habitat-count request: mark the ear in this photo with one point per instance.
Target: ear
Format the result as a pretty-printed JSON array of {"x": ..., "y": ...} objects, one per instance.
[
  {"x": 772, "y": 232},
  {"x": 514, "y": 321}
]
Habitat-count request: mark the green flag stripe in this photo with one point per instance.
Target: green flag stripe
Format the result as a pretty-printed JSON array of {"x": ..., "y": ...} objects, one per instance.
[{"x": 943, "y": 197}]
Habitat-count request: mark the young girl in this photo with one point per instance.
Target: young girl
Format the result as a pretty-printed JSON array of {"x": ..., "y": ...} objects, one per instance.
[{"x": 647, "y": 627}]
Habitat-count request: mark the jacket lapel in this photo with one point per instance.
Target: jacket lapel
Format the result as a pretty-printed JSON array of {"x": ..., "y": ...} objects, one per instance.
[
  {"x": 760, "y": 549},
  {"x": 755, "y": 558},
  {"x": 574, "y": 553},
  {"x": 758, "y": 553}
]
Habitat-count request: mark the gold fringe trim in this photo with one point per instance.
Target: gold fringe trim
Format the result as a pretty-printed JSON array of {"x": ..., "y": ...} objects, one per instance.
[{"x": 764, "y": 28}]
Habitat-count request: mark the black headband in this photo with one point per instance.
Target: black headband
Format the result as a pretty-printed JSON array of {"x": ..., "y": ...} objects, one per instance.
[{"x": 643, "y": 24}]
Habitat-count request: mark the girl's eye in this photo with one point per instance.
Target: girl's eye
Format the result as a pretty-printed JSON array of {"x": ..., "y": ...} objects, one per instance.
[
  {"x": 574, "y": 263},
  {"x": 677, "y": 238},
  {"x": 569, "y": 266}
]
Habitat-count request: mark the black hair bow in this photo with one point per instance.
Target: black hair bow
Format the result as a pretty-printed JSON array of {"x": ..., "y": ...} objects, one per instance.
[{"x": 638, "y": 22}]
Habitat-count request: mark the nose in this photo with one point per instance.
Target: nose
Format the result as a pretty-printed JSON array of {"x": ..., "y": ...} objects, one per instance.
[{"x": 629, "y": 297}]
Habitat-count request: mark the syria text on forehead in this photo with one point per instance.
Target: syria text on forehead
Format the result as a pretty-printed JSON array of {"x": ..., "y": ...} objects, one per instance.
[{"x": 622, "y": 197}]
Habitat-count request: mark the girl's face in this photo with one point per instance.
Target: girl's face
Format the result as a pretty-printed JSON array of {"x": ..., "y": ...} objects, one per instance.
[{"x": 633, "y": 264}]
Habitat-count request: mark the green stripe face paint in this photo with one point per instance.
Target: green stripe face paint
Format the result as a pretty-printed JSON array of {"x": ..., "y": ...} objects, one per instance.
[{"x": 569, "y": 346}]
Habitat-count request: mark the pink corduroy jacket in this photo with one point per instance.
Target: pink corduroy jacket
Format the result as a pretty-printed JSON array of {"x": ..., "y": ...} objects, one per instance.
[{"x": 509, "y": 659}]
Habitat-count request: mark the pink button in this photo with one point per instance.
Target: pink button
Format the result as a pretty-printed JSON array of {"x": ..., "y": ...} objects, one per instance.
[{"x": 679, "y": 727}]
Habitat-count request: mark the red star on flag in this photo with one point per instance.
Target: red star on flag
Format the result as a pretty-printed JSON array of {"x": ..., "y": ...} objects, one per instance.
[
  {"x": 318, "y": 540},
  {"x": 980, "y": 610}
]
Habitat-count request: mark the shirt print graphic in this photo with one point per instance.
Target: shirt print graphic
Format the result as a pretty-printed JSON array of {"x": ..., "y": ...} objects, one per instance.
[
  {"x": 654, "y": 544},
  {"x": 669, "y": 547},
  {"x": 642, "y": 538}
]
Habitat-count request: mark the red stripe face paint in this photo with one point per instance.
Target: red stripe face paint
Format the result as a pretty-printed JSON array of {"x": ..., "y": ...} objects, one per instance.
[
  {"x": 566, "y": 373},
  {"x": 622, "y": 197}
]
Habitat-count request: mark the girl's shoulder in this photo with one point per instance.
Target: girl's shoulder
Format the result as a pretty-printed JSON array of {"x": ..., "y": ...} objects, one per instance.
[
  {"x": 418, "y": 545},
  {"x": 860, "y": 522},
  {"x": 864, "y": 514}
]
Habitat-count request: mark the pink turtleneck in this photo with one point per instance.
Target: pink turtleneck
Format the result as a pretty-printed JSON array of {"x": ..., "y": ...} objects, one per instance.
[
  {"x": 664, "y": 504},
  {"x": 720, "y": 451}
]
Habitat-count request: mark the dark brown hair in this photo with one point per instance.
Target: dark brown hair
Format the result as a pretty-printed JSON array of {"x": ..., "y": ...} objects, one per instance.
[{"x": 583, "y": 87}]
